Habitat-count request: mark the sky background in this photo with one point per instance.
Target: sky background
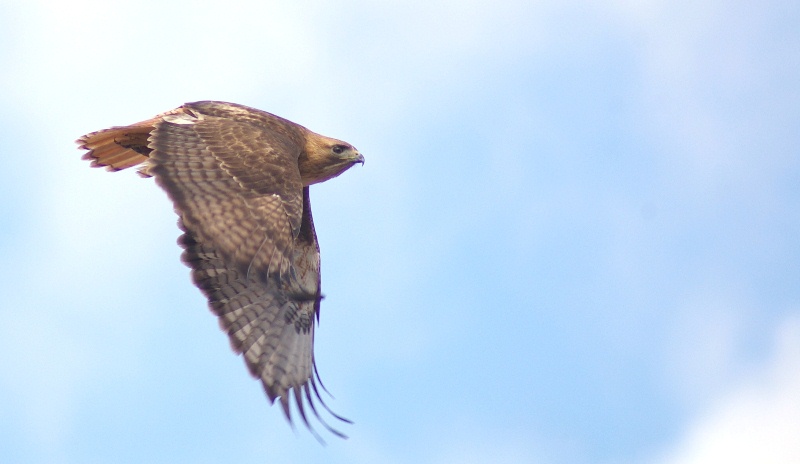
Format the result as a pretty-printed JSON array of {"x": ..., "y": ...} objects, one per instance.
[{"x": 574, "y": 240}]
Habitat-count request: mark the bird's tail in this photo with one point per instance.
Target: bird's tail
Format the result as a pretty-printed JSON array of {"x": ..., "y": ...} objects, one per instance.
[{"x": 119, "y": 147}]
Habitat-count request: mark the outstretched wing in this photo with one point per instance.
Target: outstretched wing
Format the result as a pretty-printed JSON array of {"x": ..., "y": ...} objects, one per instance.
[
  {"x": 235, "y": 183},
  {"x": 271, "y": 323}
]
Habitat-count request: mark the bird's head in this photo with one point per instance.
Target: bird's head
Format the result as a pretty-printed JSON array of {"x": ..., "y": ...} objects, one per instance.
[{"x": 326, "y": 158}]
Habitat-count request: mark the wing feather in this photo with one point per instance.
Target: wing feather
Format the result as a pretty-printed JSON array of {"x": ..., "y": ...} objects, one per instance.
[
  {"x": 250, "y": 228},
  {"x": 270, "y": 322}
]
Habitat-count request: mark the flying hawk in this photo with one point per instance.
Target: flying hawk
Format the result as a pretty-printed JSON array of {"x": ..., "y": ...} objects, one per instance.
[{"x": 239, "y": 179}]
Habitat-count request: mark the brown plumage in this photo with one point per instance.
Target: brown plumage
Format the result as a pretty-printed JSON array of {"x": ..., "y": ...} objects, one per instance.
[{"x": 239, "y": 178}]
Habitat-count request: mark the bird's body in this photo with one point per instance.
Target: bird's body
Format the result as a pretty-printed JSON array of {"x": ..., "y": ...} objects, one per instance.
[{"x": 238, "y": 178}]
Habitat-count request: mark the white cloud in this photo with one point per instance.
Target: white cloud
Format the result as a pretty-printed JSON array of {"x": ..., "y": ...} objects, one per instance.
[
  {"x": 757, "y": 421},
  {"x": 716, "y": 85},
  {"x": 704, "y": 346}
]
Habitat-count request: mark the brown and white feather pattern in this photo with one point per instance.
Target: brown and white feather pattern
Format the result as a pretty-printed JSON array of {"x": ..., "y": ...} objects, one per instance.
[{"x": 238, "y": 178}]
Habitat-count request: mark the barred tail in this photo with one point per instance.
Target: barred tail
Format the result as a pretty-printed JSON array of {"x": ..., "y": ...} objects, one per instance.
[{"x": 118, "y": 147}]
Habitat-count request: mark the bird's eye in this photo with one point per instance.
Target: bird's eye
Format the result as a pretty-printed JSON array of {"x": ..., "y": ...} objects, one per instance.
[{"x": 338, "y": 149}]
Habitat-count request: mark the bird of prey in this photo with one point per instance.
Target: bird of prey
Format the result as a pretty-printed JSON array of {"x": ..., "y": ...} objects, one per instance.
[{"x": 239, "y": 179}]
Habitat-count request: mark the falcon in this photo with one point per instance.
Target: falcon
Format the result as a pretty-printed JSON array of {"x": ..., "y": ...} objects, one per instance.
[{"x": 239, "y": 180}]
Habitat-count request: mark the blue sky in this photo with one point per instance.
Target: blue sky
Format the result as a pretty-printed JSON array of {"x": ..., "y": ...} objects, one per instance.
[{"x": 574, "y": 239}]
